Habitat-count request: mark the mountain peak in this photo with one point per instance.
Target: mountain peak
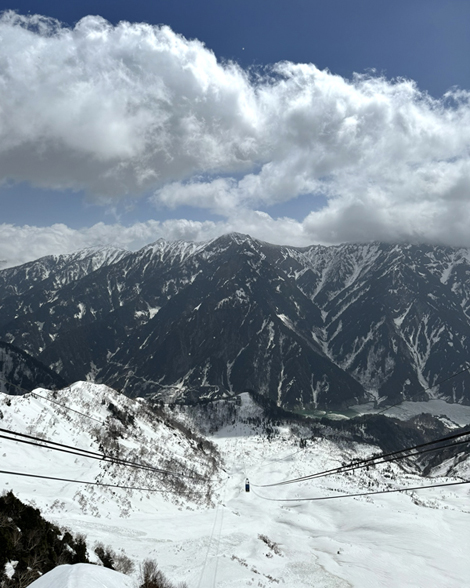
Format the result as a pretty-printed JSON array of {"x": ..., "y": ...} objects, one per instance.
[{"x": 305, "y": 326}]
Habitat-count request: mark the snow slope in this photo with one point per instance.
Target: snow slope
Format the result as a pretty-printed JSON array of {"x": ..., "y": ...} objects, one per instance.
[
  {"x": 458, "y": 413},
  {"x": 82, "y": 576},
  {"x": 415, "y": 539}
]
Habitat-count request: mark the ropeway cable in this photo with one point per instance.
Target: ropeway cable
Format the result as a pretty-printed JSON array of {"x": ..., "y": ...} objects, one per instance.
[
  {"x": 46, "y": 444},
  {"x": 344, "y": 469},
  {"x": 42, "y": 443},
  {"x": 67, "y": 407},
  {"x": 90, "y": 454},
  {"x": 394, "y": 455},
  {"x": 362, "y": 493},
  {"x": 86, "y": 482},
  {"x": 214, "y": 583},
  {"x": 210, "y": 541},
  {"x": 425, "y": 390},
  {"x": 52, "y": 401}
]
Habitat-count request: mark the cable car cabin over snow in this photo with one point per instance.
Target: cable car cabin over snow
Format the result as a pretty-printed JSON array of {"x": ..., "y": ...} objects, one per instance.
[{"x": 247, "y": 485}]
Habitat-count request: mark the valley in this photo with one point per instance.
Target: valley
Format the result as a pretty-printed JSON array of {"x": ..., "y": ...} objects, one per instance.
[
  {"x": 197, "y": 366},
  {"x": 213, "y": 533},
  {"x": 234, "y": 294}
]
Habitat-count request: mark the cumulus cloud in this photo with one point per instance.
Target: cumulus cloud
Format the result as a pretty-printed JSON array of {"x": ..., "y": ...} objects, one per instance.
[
  {"x": 128, "y": 109},
  {"x": 117, "y": 110},
  {"x": 351, "y": 222},
  {"x": 19, "y": 245}
]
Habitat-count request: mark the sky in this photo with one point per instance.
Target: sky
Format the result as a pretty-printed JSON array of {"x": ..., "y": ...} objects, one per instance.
[{"x": 297, "y": 122}]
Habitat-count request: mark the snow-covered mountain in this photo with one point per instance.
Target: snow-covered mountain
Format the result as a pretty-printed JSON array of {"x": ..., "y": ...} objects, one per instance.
[
  {"x": 212, "y": 532},
  {"x": 323, "y": 327},
  {"x": 93, "y": 417}
]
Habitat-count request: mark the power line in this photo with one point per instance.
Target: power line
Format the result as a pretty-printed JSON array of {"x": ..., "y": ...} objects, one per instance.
[
  {"x": 371, "y": 460},
  {"x": 361, "y": 493}
]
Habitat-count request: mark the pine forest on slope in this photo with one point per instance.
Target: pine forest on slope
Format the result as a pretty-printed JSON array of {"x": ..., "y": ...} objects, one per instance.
[{"x": 324, "y": 327}]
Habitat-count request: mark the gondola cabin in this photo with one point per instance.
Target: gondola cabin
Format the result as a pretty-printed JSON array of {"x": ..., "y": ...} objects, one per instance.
[{"x": 247, "y": 485}]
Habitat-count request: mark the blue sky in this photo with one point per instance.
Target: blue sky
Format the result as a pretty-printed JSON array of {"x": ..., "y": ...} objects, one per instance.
[
  {"x": 425, "y": 40},
  {"x": 290, "y": 153}
]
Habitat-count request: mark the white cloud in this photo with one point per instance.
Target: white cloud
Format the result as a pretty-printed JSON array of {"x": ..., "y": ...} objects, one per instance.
[
  {"x": 127, "y": 109},
  {"x": 119, "y": 109},
  {"x": 358, "y": 220},
  {"x": 19, "y": 245}
]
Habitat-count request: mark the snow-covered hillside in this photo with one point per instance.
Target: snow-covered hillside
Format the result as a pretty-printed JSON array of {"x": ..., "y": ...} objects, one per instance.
[
  {"x": 213, "y": 533},
  {"x": 82, "y": 575},
  {"x": 100, "y": 420}
]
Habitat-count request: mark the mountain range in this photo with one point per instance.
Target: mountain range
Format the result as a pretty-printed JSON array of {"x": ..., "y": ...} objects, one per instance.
[{"x": 315, "y": 327}]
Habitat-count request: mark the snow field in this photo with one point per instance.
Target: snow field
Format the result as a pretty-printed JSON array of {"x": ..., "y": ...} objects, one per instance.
[
  {"x": 81, "y": 576},
  {"x": 417, "y": 540},
  {"x": 387, "y": 540},
  {"x": 458, "y": 413}
]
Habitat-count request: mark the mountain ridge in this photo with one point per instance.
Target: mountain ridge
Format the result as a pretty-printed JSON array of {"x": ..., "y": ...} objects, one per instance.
[
  {"x": 20, "y": 372},
  {"x": 316, "y": 326}
]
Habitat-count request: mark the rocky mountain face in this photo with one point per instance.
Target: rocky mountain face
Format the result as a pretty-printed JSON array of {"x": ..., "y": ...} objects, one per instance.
[
  {"x": 19, "y": 372},
  {"x": 323, "y": 327}
]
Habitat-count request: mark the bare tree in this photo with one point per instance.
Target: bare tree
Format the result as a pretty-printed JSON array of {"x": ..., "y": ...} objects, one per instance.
[{"x": 152, "y": 577}]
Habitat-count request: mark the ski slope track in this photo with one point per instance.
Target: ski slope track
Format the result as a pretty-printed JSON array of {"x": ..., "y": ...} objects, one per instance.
[{"x": 212, "y": 533}]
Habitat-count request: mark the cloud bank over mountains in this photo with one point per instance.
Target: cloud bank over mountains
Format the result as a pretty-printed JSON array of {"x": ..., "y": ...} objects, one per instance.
[{"x": 133, "y": 109}]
